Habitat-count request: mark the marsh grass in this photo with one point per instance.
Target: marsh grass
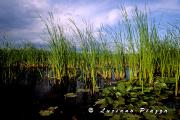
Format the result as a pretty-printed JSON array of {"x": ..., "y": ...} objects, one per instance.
[
  {"x": 137, "y": 46},
  {"x": 16, "y": 59}
]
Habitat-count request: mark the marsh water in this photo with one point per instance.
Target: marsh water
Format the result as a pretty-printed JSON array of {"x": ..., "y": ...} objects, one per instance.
[{"x": 25, "y": 99}]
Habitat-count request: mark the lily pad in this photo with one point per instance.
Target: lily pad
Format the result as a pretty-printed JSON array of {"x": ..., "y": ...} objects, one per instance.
[
  {"x": 133, "y": 94},
  {"x": 149, "y": 89},
  {"x": 46, "y": 112},
  {"x": 108, "y": 114},
  {"x": 70, "y": 95},
  {"x": 83, "y": 90},
  {"x": 134, "y": 99}
]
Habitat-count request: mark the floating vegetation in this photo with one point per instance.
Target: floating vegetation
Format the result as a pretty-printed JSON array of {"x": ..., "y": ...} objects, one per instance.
[
  {"x": 71, "y": 95},
  {"x": 47, "y": 112}
]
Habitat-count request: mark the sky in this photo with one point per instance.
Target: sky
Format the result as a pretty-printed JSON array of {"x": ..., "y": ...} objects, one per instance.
[{"x": 20, "y": 22}]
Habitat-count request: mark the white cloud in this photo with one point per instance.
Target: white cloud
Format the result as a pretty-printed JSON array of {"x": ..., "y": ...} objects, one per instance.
[
  {"x": 110, "y": 17},
  {"x": 37, "y": 4},
  {"x": 93, "y": 14},
  {"x": 113, "y": 16},
  {"x": 96, "y": 14}
]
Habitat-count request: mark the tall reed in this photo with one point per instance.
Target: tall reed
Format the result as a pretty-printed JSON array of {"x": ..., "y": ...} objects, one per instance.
[{"x": 90, "y": 53}]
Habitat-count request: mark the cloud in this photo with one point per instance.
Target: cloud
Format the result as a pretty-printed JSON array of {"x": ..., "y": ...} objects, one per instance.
[
  {"x": 20, "y": 20},
  {"x": 95, "y": 14},
  {"x": 110, "y": 17},
  {"x": 13, "y": 15},
  {"x": 19, "y": 17}
]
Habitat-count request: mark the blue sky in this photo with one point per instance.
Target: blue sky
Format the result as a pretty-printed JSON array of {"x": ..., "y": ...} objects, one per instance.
[{"x": 19, "y": 20}]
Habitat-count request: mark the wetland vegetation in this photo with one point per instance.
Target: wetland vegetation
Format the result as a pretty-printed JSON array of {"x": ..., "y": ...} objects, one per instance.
[{"x": 83, "y": 70}]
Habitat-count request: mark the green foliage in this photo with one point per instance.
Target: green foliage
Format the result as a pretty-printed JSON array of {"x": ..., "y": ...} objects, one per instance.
[
  {"x": 127, "y": 96},
  {"x": 47, "y": 112},
  {"x": 137, "y": 45},
  {"x": 16, "y": 59}
]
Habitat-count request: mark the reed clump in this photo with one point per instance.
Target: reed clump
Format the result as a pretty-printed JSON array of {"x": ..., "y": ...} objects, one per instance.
[{"x": 138, "y": 48}]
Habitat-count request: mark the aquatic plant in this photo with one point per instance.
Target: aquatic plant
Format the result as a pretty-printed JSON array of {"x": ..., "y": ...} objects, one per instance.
[
  {"x": 90, "y": 51},
  {"x": 125, "y": 100}
]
